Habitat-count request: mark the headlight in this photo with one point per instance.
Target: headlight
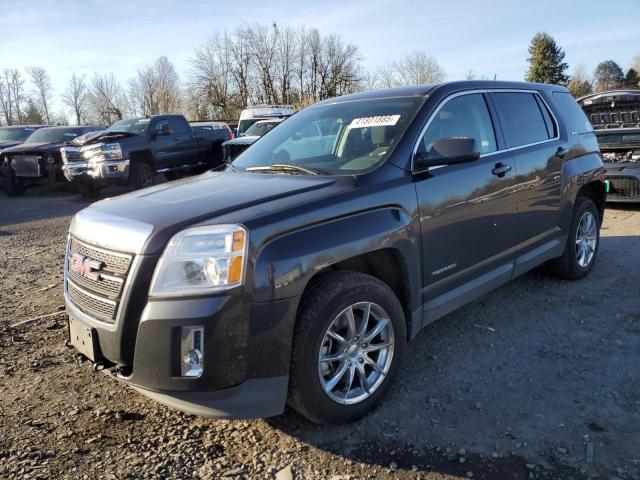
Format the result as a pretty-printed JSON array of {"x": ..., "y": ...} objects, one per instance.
[
  {"x": 100, "y": 153},
  {"x": 201, "y": 260}
]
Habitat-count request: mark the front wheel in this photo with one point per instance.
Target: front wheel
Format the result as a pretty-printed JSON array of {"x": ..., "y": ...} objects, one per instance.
[
  {"x": 11, "y": 187},
  {"x": 349, "y": 339},
  {"x": 582, "y": 244},
  {"x": 141, "y": 175}
]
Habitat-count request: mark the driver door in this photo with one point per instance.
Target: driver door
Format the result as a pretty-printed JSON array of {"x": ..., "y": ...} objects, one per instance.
[
  {"x": 467, "y": 210},
  {"x": 163, "y": 144}
]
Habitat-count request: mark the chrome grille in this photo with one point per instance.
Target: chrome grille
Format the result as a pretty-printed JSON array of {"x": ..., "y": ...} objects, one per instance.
[
  {"x": 101, "y": 308},
  {"x": 100, "y": 293},
  {"x": 117, "y": 263}
]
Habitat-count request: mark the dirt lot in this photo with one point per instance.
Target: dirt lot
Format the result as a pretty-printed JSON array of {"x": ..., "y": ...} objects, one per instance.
[{"x": 539, "y": 379}]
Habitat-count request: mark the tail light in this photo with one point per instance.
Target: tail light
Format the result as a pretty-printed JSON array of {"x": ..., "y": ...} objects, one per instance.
[{"x": 230, "y": 135}]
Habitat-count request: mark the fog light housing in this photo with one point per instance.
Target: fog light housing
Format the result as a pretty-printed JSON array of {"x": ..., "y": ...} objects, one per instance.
[{"x": 191, "y": 352}]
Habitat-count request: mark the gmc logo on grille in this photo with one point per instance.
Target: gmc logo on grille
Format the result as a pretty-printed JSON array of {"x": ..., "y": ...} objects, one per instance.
[{"x": 85, "y": 266}]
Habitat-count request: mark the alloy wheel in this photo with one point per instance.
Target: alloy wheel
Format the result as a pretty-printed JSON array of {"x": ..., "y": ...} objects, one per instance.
[
  {"x": 586, "y": 239},
  {"x": 356, "y": 353}
]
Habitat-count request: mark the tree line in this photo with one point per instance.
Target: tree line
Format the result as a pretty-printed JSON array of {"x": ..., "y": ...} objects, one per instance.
[
  {"x": 260, "y": 64},
  {"x": 547, "y": 65}
]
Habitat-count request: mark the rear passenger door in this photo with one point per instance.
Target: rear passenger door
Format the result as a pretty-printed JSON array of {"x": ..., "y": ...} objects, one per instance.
[
  {"x": 531, "y": 134},
  {"x": 185, "y": 146},
  {"x": 467, "y": 210}
]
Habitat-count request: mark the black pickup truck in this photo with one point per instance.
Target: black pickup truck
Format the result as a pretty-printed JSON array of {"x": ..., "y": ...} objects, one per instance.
[
  {"x": 37, "y": 160},
  {"x": 300, "y": 278},
  {"x": 615, "y": 116},
  {"x": 16, "y": 134},
  {"x": 133, "y": 151}
]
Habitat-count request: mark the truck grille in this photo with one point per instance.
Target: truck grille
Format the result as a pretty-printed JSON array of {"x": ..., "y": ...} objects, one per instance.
[
  {"x": 98, "y": 294},
  {"x": 624, "y": 188}
]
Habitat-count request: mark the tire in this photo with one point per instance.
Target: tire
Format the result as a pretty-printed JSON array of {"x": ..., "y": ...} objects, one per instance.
[
  {"x": 11, "y": 187},
  {"x": 141, "y": 175},
  {"x": 572, "y": 265},
  {"x": 324, "y": 305}
]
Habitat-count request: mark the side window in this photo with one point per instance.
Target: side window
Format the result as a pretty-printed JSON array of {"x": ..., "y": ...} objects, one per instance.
[
  {"x": 179, "y": 125},
  {"x": 464, "y": 116},
  {"x": 577, "y": 122},
  {"x": 521, "y": 118},
  {"x": 162, "y": 127},
  {"x": 310, "y": 130}
]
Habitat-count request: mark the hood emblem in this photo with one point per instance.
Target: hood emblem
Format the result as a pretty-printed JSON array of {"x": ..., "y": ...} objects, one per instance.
[{"x": 85, "y": 266}]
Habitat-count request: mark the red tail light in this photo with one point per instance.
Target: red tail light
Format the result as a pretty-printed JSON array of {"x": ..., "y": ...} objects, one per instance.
[{"x": 230, "y": 135}]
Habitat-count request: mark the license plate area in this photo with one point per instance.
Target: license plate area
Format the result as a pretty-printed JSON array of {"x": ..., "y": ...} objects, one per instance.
[
  {"x": 27, "y": 165},
  {"x": 84, "y": 339}
]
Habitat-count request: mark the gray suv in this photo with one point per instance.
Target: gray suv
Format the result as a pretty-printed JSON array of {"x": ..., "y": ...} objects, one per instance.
[{"x": 300, "y": 275}]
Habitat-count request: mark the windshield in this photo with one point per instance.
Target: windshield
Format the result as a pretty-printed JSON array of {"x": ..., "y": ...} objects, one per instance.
[
  {"x": 136, "y": 126},
  {"x": 619, "y": 138},
  {"x": 54, "y": 135},
  {"x": 337, "y": 139},
  {"x": 7, "y": 134},
  {"x": 260, "y": 128}
]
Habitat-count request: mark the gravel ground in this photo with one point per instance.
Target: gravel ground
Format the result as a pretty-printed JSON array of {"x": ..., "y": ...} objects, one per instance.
[{"x": 539, "y": 379}]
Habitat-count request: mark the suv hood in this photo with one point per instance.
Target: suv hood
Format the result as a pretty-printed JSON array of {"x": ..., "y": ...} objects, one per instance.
[
  {"x": 244, "y": 140},
  {"x": 125, "y": 222}
]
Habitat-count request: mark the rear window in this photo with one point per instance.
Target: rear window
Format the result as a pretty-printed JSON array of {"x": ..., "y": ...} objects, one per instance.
[
  {"x": 523, "y": 121},
  {"x": 577, "y": 122}
]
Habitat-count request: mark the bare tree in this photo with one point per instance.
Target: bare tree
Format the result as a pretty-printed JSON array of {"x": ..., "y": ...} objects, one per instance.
[
  {"x": 12, "y": 96},
  {"x": 42, "y": 90},
  {"x": 580, "y": 83},
  {"x": 156, "y": 89},
  {"x": 106, "y": 98},
  {"x": 418, "y": 68},
  {"x": 76, "y": 97}
]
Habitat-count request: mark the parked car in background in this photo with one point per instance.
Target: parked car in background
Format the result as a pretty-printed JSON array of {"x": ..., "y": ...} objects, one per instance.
[
  {"x": 615, "y": 116},
  {"x": 38, "y": 159},
  {"x": 234, "y": 147},
  {"x": 133, "y": 151},
  {"x": 16, "y": 134},
  {"x": 235, "y": 292},
  {"x": 251, "y": 115}
]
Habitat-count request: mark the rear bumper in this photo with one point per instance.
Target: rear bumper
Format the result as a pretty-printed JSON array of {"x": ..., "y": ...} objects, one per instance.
[{"x": 624, "y": 182}]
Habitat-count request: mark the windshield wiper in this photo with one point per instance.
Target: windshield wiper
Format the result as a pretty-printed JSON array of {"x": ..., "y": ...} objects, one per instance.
[{"x": 282, "y": 167}]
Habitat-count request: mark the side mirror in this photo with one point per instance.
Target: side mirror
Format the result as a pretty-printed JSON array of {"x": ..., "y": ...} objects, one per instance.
[
  {"x": 448, "y": 151},
  {"x": 235, "y": 132}
]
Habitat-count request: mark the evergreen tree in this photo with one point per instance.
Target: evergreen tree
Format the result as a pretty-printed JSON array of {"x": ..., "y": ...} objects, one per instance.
[
  {"x": 546, "y": 63},
  {"x": 632, "y": 78}
]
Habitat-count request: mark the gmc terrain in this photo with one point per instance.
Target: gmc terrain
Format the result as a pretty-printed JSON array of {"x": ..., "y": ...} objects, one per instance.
[{"x": 300, "y": 278}]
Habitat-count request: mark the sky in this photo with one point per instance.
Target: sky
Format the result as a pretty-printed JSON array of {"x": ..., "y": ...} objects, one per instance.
[{"x": 489, "y": 37}]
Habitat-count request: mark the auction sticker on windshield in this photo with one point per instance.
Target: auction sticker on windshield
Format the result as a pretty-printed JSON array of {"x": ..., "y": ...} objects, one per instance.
[{"x": 377, "y": 121}]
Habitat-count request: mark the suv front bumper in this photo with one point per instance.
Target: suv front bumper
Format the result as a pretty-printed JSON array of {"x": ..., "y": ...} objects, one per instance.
[
  {"x": 624, "y": 181},
  {"x": 246, "y": 354}
]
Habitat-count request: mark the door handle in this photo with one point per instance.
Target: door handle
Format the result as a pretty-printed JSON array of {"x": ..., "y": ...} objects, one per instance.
[
  {"x": 561, "y": 152},
  {"x": 501, "y": 169}
]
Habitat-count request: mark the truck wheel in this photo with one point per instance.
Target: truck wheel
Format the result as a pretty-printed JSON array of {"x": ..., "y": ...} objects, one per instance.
[
  {"x": 348, "y": 342},
  {"x": 141, "y": 175},
  {"x": 11, "y": 187},
  {"x": 582, "y": 245}
]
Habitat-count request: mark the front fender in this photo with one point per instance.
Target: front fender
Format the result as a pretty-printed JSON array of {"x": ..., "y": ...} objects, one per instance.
[{"x": 285, "y": 264}]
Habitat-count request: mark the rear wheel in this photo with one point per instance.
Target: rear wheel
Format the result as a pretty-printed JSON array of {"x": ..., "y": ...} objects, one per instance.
[
  {"x": 582, "y": 244},
  {"x": 348, "y": 343},
  {"x": 141, "y": 175}
]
